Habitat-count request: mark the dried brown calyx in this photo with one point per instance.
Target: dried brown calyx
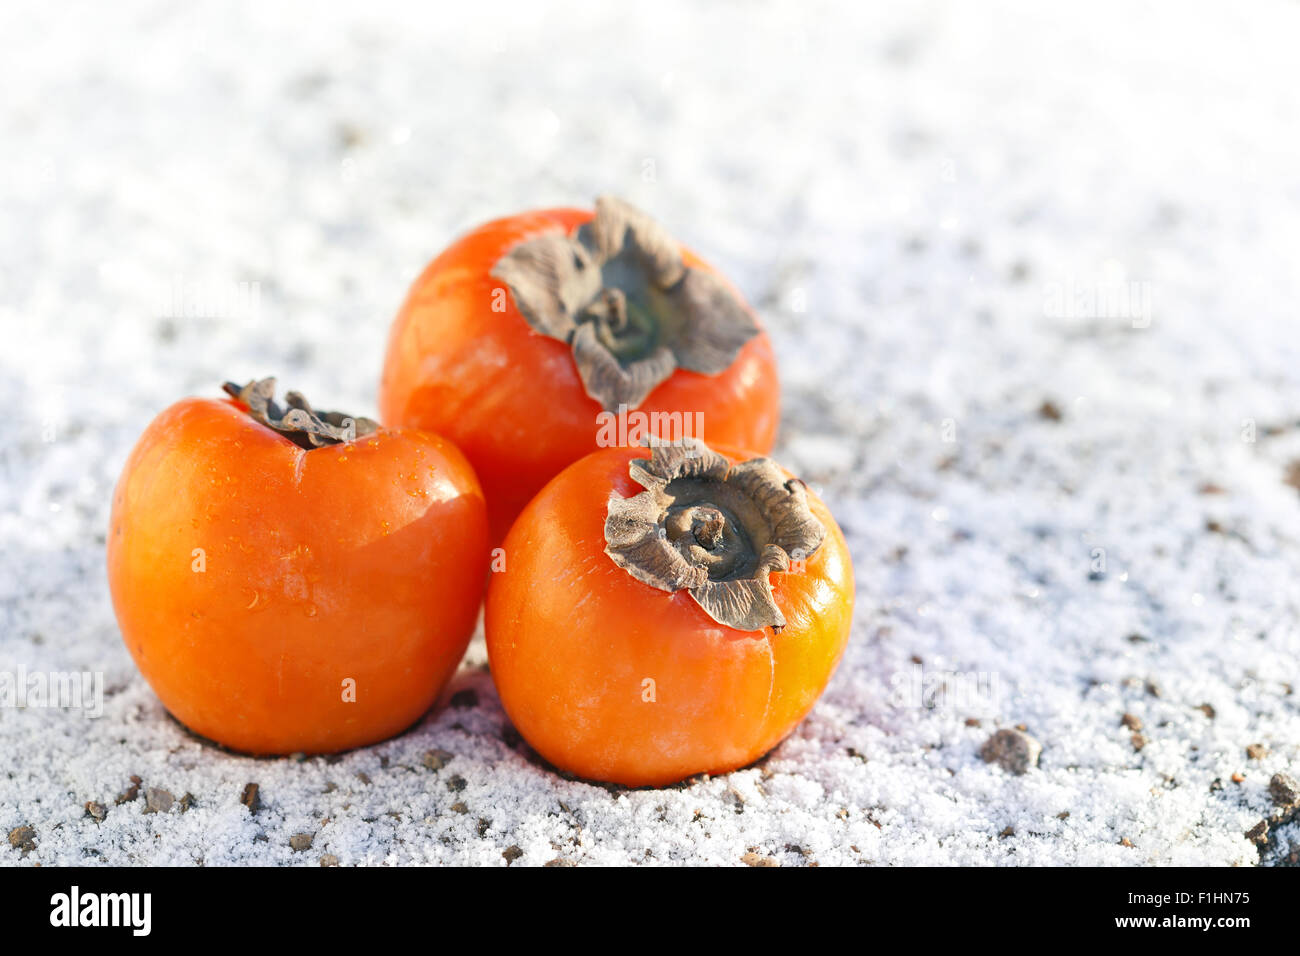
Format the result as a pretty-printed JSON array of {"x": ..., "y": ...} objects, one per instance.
[
  {"x": 618, "y": 292},
  {"x": 716, "y": 529},
  {"x": 299, "y": 422}
]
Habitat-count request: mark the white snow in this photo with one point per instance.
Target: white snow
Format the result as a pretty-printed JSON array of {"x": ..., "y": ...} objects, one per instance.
[{"x": 946, "y": 214}]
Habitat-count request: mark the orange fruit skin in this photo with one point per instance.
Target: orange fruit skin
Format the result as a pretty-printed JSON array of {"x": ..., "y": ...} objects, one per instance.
[
  {"x": 510, "y": 397},
  {"x": 573, "y": 638},
  {"x": 362, "y": 561}
]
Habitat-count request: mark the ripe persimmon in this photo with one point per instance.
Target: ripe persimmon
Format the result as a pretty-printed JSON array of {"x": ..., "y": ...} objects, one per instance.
[
  {"x": 288, "y": 580},
  {"x": 663, "y": 616},
  {"x": 528, "y": 338}
]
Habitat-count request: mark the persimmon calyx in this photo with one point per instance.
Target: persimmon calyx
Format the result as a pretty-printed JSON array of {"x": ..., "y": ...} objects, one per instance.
[
  {"x": 715, "y": 529},
  {"x": 619, "y": 294},
  {"x": 299, "y": 422}
]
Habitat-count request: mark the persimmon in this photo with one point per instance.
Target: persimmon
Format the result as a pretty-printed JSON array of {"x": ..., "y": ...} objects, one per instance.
[
  {"x": 288, "y": 580},
  {"x": 538, "y": 338},
  {"x": 663, "y": 616}
]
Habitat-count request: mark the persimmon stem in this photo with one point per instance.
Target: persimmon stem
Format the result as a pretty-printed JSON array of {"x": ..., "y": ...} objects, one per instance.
[
  {"x": 299, "y": 422},
  {"x": 618, "y": 292},
  {"x": 715, "y": 529},
  {"x": 708, "y": 527}
]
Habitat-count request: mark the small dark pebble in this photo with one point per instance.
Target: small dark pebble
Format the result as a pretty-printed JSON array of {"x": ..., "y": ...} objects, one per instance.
[
  {"x": 251, "y": 798},
  {"x": 329, "y": 859},
  {"x": 1258, "y": 834},
  {"x": 1208, "y": 710},
  {"x": 1138, "y": 741},
  {"x": 1063, "y": 815},
  {"x": 157, "y": 800},
  {"x": 187, "y": 801},
  {"x": 1012, "y": 750},
  {"x": 1007, "y": 832},
  {"x": 456, "y": 784},
  {"x": 96, "y": 811},
  {"x": 23, "y": 838},
  {"x": 1131, "y": 721},
  {"x": 1050, "y": 411},
  {"x": 482, "y": 826},
  {"x": 301, "y": 842},
  {"x": 437, "y": 759},
  {"x": 1285, "y": 791},
  {"x": 131, "y": 793},
  {"x": 464, "y": 699},
  {"x": 1256, "y": 751},
  {"x": 1292, "y": 475},
  {"x": 459, "y": 807},
  {"x": 363, "y": 777},
  {"x": 512, "y": 853},
  {"x": 559, "y": 861}
]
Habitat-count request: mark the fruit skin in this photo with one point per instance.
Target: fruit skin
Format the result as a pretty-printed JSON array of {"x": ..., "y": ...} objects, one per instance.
[
  {"x": 510, "y": 397},
  {"x": 363, "y": 560},
  {"x": 572, "y": 637}
]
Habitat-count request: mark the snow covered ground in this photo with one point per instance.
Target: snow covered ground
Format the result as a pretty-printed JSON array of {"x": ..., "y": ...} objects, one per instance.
[{"x": 1032, "y": 279}]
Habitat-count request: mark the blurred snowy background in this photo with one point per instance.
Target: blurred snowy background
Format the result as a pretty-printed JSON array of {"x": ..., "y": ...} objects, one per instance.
[{"x": 1030, "y": 270}]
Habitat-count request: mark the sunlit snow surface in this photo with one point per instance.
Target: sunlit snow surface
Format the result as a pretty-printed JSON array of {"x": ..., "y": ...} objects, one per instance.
[{"x": 923, "y": 204}]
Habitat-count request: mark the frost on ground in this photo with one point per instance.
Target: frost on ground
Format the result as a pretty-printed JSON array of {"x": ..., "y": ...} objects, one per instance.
[{"x": 1032, "y": 284}]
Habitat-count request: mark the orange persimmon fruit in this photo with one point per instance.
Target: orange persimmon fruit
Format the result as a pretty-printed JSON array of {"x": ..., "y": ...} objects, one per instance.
[
  {"x": 290, "y": 580},
  {"x": 538, "y": 338},
  {"x": 665, "y": 613}
]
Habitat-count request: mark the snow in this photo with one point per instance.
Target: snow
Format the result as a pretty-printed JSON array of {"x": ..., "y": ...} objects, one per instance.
[{"x": 1030, "y": 277}]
